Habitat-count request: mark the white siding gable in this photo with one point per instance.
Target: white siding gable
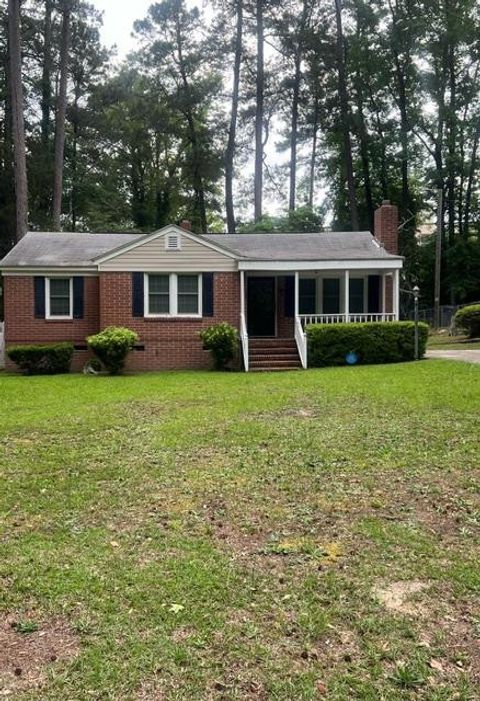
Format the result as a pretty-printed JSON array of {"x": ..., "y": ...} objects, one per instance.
[{"x": 171, "y": 251}]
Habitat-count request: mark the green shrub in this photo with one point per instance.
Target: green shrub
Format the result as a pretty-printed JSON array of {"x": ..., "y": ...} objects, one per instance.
[
  {"x": 390, "y": 342},
  {"x": 468, "y": 319},
  {"x": 222, "y": 341},
  {"x": 42, "y": 360},
  {"x": 111, "y": 346}
]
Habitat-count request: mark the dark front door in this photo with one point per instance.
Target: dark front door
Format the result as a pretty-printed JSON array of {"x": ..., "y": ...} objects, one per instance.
[{"x": 261, "y": 306}]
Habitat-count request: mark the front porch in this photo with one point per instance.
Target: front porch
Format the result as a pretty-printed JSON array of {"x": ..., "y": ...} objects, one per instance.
[{"x": 279, "y": 304}]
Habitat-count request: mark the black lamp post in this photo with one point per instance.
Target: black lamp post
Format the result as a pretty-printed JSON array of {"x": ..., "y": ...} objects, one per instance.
[{"x": 416, "y": 296}]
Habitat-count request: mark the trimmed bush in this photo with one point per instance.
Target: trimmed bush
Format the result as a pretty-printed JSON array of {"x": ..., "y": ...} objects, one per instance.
[
  {"x": 51, "y": 359},
  {"x": 468, "y": 319},
  {"x": 222, "y": 342},
  {"x": 111, "y": 346},
  {"x": 366, "y": 343}
]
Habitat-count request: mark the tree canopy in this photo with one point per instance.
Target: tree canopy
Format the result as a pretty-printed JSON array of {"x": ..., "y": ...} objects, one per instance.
[{"x": 256, "y": 115}]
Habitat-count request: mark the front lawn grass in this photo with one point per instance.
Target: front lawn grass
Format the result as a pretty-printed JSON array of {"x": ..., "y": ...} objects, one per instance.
[{"x": 202, "y": 536}]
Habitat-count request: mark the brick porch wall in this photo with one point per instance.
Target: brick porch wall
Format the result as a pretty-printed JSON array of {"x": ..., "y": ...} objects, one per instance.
[
  {"x": 169, "y": 344},
  {"x": 21, "y": 326},
  {"x": 285, "y": 325}
]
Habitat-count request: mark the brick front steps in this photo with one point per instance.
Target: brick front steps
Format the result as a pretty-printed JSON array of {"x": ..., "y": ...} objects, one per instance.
[{"x": 273, "y": 354}]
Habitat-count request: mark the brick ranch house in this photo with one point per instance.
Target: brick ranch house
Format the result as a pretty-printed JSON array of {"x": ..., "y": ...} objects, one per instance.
[{"x": 170, "y": 284}]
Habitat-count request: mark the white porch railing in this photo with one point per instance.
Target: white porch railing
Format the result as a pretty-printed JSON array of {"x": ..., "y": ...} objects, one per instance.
[
  {"x": 244, "y": 340},
  {"x": 301, "y": 341},
  {"x": 307, "y": 319}
]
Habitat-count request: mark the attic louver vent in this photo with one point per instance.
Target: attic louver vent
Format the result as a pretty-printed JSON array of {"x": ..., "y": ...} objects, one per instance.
[{"x": 172, "y": 242}]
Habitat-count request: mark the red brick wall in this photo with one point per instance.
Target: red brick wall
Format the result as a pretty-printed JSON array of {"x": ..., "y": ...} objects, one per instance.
[
  {"x": 386, "y": 226},
  {"x": 285, "y": 325},
  {"x": 21, "y": 326},
  {"x": 169, "y": 343}
]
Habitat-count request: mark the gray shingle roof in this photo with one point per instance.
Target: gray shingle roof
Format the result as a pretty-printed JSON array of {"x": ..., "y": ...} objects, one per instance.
[
  {"x": 39, "y": 249},
  {"x": 77, "y": 250},
  {"x": 322, "y": 246}
]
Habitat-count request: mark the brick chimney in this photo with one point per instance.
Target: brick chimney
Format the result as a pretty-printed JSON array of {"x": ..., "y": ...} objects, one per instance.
[
  {"x": 386, "y": 226},
  {"x": 186, "y": 224}
]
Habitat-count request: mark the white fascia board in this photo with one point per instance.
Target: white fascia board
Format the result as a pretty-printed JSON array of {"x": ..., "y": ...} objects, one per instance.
[
  {"x": 171, "y": 228},
  {"x": 52, "y": 271},
  {"x": 287, "y": 265}
]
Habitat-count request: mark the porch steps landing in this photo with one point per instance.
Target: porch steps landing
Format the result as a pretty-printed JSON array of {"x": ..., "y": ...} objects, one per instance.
[{"x": 273, "y": 354}]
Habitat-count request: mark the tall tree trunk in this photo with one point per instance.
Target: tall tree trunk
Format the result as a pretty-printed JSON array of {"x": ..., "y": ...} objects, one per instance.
[
  {"x": 46, "y": 99},
  {"x": 365, "y": 154},
  {"x": 404, "y": 140},
  {"x": 465, "y": 172},
  {"x": 313, "y": 154},
  {"x": 60, "y": 118},
  {"x": 230, "y": 149},
  {"x": 18, "y": 122},
  {"x": 383, "y": 149},
  {"x": 259, "y": 116},
  {"x": 345, "y": 118},
  {"x": 297, "y": 81},
  {"x": 198, "y": 185},
  {"x": 452, "y": 143},
  {"x": 294, "y": 132},
  {"x": 471, "y": 180},
  {"x": 74, "y": 161},
  {"x": 8, "y": 230}
]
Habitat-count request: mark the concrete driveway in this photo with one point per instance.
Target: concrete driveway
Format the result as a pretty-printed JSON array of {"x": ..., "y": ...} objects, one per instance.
[{"x": 468, "y": 356}]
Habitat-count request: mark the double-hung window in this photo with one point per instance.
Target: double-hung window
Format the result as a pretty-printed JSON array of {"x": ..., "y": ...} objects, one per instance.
[
  {"x": 357, "y": 295},
  {"x": 307, "y": 296},
  {"x": 158, "y": 294},
  {"x": 331, "y": 296},
  {"x": 59, "y": 298},
  {"x": 187, "y": 294},
  {"x": 173, "y": 294}
]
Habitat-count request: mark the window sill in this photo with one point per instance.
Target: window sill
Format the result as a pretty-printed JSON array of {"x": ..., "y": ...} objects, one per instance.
[
  {"x": 187, "y": 317},
  {"x": 59, "y": 319}
]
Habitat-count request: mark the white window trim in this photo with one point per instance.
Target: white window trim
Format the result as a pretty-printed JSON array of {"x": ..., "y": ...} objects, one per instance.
[
  {"x": 173, "y": 297},
  {"x": 55, "y": 317}
]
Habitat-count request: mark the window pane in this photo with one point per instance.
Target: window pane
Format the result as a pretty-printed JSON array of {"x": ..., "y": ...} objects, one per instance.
[
  {"x": 188, "y": 304},
  {"x": 158, "y": 283},
  {"x": 59, "y": 287},
  {"x": 59, "y": 296},
  {"x": 356, "y": 296},
  {"x": 331, "y": 296},
  {"x": 308, "y": 296},
  {"x": 59, "y": 306},
  {"x": 159, "y": 304},
  {"x": 187, "y": 294},
  {"x": 187, "y": 284}
]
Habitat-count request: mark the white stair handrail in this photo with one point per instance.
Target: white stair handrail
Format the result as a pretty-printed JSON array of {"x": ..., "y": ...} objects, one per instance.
[
  {"x": 301, "y": 341},
  {"x": 244, "y": 341}
]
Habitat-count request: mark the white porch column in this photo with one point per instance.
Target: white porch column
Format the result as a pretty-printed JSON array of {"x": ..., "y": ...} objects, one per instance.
[
  {"x": 384, "y": 296},
  {"x": 346, "y": 292},
  {"x": 396, "y": 294},
  {"x": 297, "y": 293},
  {"x": 242, "y": 293}
]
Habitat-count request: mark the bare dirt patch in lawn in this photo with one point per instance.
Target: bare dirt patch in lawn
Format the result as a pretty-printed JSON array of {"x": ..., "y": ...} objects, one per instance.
[
  {"x": 397, "y": 597},
  {"x": 27, "y": 650},
  {"x": 446, "y": 625}
]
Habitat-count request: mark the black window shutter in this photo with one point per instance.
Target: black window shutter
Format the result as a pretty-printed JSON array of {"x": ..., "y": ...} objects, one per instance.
[
  {"x": 289, "y": 296},
  {"x": 207, "y": 294},
  {"x": 78, "y": 297},
  {"x": 39, "y": 293},
  {"x": 374, "y": 294},
  {"x": 137, "y": 294}
]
